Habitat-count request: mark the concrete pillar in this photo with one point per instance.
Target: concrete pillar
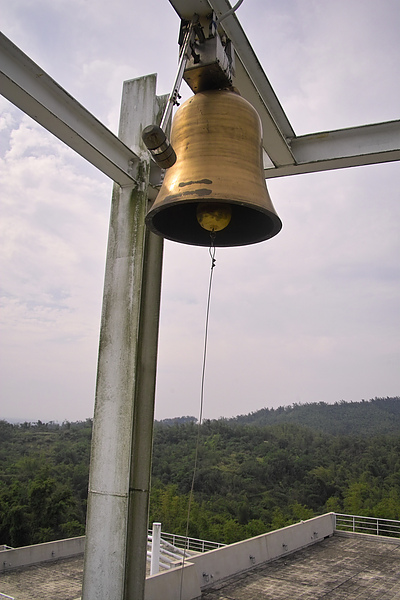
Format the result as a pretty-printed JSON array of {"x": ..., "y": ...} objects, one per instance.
[{"x": 116, "y": 534}]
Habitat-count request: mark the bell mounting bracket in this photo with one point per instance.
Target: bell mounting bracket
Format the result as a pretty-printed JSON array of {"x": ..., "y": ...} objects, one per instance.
[
  {"x": 206, "y": 62},
  {"x": 211, "y": 62}
]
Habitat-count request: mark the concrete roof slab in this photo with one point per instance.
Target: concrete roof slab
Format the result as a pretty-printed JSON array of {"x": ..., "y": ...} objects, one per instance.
[{"x": 334, "y": 569}]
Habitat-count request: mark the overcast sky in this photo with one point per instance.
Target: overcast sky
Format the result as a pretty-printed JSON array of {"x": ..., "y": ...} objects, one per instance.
[{"x": 311, "y": 315}]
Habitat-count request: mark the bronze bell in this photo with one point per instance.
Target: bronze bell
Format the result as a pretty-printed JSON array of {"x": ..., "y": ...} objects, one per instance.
[{"x": 216, "y": 189}]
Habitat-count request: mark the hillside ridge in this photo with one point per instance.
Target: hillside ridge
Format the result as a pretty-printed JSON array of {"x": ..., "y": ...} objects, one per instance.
[{"x": 377, "y": 416}]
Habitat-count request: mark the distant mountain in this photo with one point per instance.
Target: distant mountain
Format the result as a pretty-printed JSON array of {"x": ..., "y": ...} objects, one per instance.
[
  {"x": 379, "y": 416},
  {"x": 177, "y": 421}
]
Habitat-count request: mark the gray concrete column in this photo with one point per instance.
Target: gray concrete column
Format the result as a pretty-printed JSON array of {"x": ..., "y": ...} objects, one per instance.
[{"x": 123, "y": 418}]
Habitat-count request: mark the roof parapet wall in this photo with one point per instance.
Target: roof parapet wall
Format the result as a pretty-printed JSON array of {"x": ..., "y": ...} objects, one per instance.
[{"x": 211, "y": 567}]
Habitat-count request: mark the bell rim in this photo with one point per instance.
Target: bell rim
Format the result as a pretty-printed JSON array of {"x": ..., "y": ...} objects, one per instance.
[{"x": 269, "y": 217}]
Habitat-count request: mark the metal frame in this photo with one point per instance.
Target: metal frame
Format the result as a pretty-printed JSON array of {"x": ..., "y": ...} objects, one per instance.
[
  {"x": 352, "y": 147},
  {"x": 288, "y": 153},
  {"x": 25, "y": 84}
]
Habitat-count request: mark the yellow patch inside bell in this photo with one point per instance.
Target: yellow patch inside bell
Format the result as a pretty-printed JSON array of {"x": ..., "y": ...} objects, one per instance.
[{"x": 213, "y": 216}]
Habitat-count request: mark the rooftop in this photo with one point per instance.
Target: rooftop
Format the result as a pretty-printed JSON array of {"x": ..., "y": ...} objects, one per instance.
[
  {"x": 58, "y": 580},
  {"x": 285, "y": 564},
  {"x": 337, "y": 568}
]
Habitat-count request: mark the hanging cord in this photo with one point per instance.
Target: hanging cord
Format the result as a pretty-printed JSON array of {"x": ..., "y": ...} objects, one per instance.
[{"x": 203, "y": 372}]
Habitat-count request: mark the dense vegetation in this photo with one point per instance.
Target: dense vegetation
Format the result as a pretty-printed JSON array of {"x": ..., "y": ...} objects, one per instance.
[
  {"x": 377, "y": 416},
  {"x": 255, "y": 473},
  {"x": 44, "y": 469}
]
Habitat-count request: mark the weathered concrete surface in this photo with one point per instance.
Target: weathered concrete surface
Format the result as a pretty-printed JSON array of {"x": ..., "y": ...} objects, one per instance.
[
  {"x": 59, "y": 580},
  {"x": 56, "y": 580},
  {"x": 222, "y": 563},
  {"x": 339, "y": 568}
]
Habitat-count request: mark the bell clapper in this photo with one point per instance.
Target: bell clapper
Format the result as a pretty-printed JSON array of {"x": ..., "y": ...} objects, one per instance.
[{"x": 213, "y": 216}]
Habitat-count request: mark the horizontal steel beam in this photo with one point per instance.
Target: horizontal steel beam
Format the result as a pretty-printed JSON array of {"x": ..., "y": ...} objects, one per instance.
[
  {"x": 290, "y": 154},
  {"x": 27, "y": 86},
  {"x": 352, "y": 147}
]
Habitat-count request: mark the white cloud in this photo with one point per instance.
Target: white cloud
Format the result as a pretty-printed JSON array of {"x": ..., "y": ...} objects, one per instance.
[
  {"x": 331, "y": 63},
  {"x": 53, "y": 240},
  {"x": 310, "y": 315}
]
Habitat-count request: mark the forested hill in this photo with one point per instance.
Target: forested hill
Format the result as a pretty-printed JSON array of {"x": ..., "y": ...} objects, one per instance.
[
  {"x": 254, "y": 473},
  {"x": 379, "y": 416},
  {"x": 274, "y": 467}
]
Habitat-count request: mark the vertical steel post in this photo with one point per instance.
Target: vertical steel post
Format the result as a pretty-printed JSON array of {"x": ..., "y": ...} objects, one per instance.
[{"x": 123, "y": 418}]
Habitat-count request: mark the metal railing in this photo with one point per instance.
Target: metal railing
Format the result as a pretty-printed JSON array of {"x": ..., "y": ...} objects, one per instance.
[
  {"x": 166, "y": 550},
  {"x": 370, "y": 525},
  {"x": 191, "y": 544},
  {"x": 166, "y": 555}
]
